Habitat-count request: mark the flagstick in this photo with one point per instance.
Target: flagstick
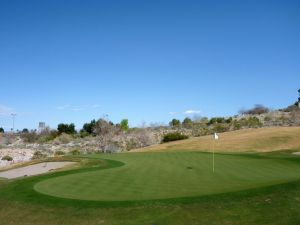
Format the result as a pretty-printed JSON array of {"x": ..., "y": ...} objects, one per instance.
[{"x": 213, "y": 156}]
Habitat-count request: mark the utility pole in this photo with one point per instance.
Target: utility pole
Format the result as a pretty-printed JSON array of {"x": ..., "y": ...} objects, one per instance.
[{"x": 13, "y": 118}]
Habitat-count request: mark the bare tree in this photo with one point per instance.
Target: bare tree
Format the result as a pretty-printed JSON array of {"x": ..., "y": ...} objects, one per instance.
[
  {"x": 105, "y": 132},
  {"x": 145, "y": 137},
  {"x": 256, "y": 110}
]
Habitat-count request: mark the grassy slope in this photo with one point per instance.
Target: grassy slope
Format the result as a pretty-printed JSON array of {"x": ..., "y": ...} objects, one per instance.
[
  {"x": 147, "y": 176},
  {"x": 260, "y": 140}
]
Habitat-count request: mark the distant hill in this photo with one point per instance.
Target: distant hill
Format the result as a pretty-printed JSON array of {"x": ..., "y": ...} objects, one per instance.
[{"x": 259, "y": 140}]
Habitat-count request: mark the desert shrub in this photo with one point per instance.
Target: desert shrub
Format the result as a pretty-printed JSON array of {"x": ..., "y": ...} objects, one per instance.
[
  {"x": 63, "y": 139},
  {"x": 236, "y": 125},
  {"x": 112, "y": 147},
  {"x": 105, "y": 130},
  {"x": 253, "y": 122},
  {"x": 215, "y": 120},
  {"x": 132, "y": 144},
  {"x": 229, "y": 120},
  {"x": 38, "y": 155},
  {"x": 47, "y": 136},
  {"x": 59, "y": 153},
  {"x": 7, "y": 139},
  {"x": 29, "y": 137},
  {"x": 219, "y": 128},
  {"x": 7, "y": 158},
  {"x": 267, "y": 119},
  {"x": 145, "y": 137},
  {"x": 75, "y": 152},
  {"x": 83, "y": 134},
  {"x": 292, "y": 108},
  {"x": 174, "y": 137}
]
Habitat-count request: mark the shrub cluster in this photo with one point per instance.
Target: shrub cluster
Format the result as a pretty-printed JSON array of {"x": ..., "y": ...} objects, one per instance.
[
  {"x": 7, "y": 158},
  {"x": 29, "y": 137},
  {"x": 59, "y": 153},
  {"x": 38, "y": 155},
  {"x": 174, "y": 137},
  {"x": 75, "y": 152},
  {"x": 256, "y": 110},
  {"x": 251, "y": 122},
  {"x": 66, "y": 128}
]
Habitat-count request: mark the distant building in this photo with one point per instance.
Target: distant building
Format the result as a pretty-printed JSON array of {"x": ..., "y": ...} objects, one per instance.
[{"x": 42, "y": 127}]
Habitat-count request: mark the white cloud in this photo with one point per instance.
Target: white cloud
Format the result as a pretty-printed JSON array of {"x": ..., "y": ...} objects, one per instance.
[
  {"x": 5, "y": 110},
  {"x": 190, "y": 112},
  {"x": 173, "y": 113},
  {"x": 63, "y": 107}
]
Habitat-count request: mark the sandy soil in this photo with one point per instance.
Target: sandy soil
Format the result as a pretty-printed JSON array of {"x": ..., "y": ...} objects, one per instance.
[{"x": 34, "y": 169}]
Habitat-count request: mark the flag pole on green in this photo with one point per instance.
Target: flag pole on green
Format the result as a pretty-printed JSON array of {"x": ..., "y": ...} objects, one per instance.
[{"x": 215, "y": 137}]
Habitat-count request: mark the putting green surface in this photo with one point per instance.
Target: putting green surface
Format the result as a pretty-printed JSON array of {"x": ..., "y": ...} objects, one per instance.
[{"x": 147, "y": 176}]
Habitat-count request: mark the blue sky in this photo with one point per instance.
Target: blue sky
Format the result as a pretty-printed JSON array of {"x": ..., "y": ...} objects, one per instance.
[{"x": 72, "y": 61}]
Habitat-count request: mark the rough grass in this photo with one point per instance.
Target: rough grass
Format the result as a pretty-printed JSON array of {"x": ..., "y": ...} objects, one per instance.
[{"x": 257, "y": 140}]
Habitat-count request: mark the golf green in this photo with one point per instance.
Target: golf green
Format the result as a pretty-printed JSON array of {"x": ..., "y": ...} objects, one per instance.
[{"x": 147, "y": 176}]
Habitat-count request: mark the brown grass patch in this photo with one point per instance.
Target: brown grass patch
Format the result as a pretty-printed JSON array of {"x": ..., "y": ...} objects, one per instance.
[{"x": 258, "y": 140}]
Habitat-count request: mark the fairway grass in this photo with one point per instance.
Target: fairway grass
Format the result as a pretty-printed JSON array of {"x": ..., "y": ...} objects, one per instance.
[{"x": 151, "y": 176}]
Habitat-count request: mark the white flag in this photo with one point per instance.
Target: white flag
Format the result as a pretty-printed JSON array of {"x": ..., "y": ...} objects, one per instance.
[{"x": 216, "y": 137}]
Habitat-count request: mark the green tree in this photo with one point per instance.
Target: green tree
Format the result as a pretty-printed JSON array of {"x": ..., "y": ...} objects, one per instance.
[
  {"x": 187, "y": 122},
  {"x": 124, "y": 125},
  {"x": 1, "y": 130},
  {"x": 216, "y": 120},
  {"x": 89, "y": 127},
  {"x": 25, "y": 130},
  {"x": 174, "y": 123},
  {"x": 66, "y": 128}
]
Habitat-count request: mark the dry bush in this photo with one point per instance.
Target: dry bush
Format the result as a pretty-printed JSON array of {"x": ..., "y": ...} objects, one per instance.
[
  {"x": 63, "y": 139},
  {"x": 256, "y": 110},
  {"x": 105, "y": 132},
  {"x": 30, "y": 137}
]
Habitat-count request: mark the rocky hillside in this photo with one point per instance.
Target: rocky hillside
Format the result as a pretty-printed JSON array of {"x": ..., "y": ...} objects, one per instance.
[{"x": 22, "y": 147}]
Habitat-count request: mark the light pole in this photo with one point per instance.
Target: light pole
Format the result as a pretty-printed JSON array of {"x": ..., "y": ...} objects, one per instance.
[{"x": 13, "y": 118}]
